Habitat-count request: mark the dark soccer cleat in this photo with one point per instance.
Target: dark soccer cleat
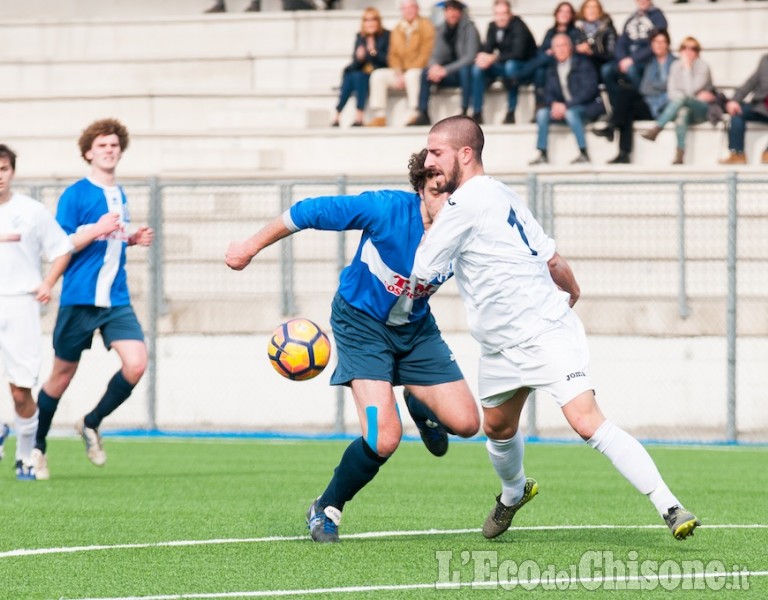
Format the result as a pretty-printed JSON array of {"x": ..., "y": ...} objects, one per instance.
[
  {"x": 500, "y": 518},
  {"x": 323, "y": 524},
  {"x": 24, "y": 472},
  {"x": 433, "y": 434},
  {"x": 4, "y": 432},
  {"x": 681, "y": 522}
]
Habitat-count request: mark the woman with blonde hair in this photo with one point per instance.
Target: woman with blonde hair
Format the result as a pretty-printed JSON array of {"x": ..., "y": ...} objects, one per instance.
[
  {"x": 596, "y": 34},
  {"x": 690, "y": 93},
  {"x": 370, "y": 52}
]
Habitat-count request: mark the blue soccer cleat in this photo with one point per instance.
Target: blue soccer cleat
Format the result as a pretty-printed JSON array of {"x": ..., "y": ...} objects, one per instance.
[
  {"x": 24, "y": 472},
  {"x": 432, "y": 433},
  {"x": 323, "y": 524}
]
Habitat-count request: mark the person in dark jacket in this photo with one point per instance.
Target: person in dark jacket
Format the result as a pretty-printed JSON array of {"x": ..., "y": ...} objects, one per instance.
[
  {"x": 571, "y": 96},
  {"x": 596, "y": 35},
  {"x": 508, "y": 44},
  {"x": 371, "y": 47},
  {"x": 633, "y": 48}
]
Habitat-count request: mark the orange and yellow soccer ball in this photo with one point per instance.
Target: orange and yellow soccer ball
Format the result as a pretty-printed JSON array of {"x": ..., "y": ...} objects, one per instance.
[{"x": 298, "y": 349}]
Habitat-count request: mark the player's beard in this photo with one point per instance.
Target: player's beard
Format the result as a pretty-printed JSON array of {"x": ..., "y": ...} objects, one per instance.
[{"x": 451, "y": 183}]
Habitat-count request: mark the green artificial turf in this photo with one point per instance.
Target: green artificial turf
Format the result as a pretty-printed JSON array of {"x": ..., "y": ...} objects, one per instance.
[{"x": 226, "y": 498}]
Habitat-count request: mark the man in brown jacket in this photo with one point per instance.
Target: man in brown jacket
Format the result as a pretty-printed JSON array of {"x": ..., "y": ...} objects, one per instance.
[
  {"x": 410, "y": 46},
  {"x": 741, "y": 112}
]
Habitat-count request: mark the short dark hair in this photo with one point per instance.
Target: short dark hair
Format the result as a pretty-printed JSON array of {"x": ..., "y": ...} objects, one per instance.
[
  {"x": 417, "y": 172},
  {"x": 462, "y": 131},
  {"x": 99, "y": 128},
  {"x": 453, "y": 4},
  {"x": 6, "y": 152},
  {"x": 660, "y": 32}
]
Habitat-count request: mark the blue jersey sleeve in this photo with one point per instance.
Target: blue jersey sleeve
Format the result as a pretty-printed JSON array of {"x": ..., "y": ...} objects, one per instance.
[
  {"x": 67, "y": 213},
  {"x": 339, "y": 213}
]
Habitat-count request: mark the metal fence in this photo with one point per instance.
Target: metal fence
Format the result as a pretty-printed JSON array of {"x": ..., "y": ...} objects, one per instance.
[{"x": 673, "y": 271}]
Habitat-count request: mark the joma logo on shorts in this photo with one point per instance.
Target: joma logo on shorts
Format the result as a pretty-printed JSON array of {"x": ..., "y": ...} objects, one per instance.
[{"x": 574, "y": 375}]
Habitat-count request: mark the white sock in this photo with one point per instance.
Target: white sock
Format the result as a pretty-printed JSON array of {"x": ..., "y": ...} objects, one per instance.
[
  {"x": 507, "y": 458},
  {"x": 634, "y": 463},
  {"x": 25, "y": 436}
]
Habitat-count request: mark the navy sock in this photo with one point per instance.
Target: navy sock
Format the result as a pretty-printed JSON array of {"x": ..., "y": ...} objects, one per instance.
[
  {"x": 46, "y": 405},
  {"x": 118, "y": 390},
  {"x": 358, "y": 466},
  {"x": 420, "y": 411}
]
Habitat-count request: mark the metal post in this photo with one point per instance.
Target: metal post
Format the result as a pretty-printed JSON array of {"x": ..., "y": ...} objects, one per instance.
[
  {"x": 731, "y": 432},
  {"x": 155, "y": 297},
  {"x": 287, "y": 295},
  {"x": 536, "y": 203},
  {"x": 683, "y": 308},
  {"x": 341, "y": 261}
]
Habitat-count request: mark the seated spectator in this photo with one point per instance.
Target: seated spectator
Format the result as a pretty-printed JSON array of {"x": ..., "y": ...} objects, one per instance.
[
  {"x": 741, "y": 112},
  {"x": 535, "y": 70},
  {"x": 596, "y": 35},
  {"x": 410, "y": 46},
  {"x": 571, "y": 96},
  {"x": 457, "y": 42},
  {"x": 371, "y": 47},
  {"x": 690, "y": 93},
  {"x": 643, "y": 105},
  {"x": 508, "y": 44},
  {"x": 633, "y": 48}
]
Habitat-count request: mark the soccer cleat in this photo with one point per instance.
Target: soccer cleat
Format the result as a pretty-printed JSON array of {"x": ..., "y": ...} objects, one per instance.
[
  {"x": 681, "y": 522},
  {"x": 4, "y": 432},
  {"x": 323, "y": 524},
  {"x": 93, "y": 447},
  {"x": 24, "y": 472},
  {"x": 433, "y": 434},
  {"x": 39, "y": 464},
  {"x": 500, "y": 518}
]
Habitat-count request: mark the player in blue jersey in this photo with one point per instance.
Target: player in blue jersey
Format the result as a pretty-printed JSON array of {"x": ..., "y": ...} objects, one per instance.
[
  {"x": 94, "y": 213},
  {"x": 384, "y": 332}
]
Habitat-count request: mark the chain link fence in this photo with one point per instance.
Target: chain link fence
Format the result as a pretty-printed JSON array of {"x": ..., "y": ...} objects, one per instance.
[{"x": 673, "y": 272}]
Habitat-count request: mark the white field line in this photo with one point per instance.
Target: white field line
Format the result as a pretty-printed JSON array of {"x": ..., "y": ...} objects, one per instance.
[
  {"x": 366, "y": 535},
  {"x": 524, "y": 583}
]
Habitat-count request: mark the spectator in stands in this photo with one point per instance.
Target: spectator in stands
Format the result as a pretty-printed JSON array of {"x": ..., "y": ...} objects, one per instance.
[
  {"x": 220, "y": 6},
  {"x": 508, "y": 45},
  {"x": 596, "y": 35},
  {"x": 457, "y": 42},
  {"x": 410, "y": 46},
  {"x": 633, "y": 48},
  {"x": 370, "y": 53},
  {"x": 741, "y": 112},
  {"x": 646, "y": 104},
  {"x": 690, "y": 93},
  {"x": 571, "y": 95},
  {"x": 535, "y": 70}
]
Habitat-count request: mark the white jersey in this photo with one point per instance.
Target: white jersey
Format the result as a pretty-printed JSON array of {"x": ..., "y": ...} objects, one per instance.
[
  {"x": 499, "y": 255},
  {"x": 27, "y": 232}
]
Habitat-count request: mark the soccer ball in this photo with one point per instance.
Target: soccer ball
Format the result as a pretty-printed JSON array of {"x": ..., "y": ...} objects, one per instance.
[{"x": 298, "y": 349}]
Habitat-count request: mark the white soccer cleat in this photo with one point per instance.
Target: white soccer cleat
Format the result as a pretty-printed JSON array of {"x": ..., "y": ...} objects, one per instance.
[
  {"x": 93, "y": 448},
  {"x": 39, "y": 464}
]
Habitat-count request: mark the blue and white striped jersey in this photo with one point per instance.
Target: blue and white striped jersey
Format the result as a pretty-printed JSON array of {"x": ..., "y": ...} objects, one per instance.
[
  {"x": 378, "y": 281},
  {"x": 95, "y": 275}
]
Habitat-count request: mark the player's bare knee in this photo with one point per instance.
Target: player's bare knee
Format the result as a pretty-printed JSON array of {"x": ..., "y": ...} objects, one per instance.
[
  {"x": 134, "y": 370},
  {"x": 499, "y": 431},
  {"x": 467, "y": 427},
  {"x": 386, "y": 445}
]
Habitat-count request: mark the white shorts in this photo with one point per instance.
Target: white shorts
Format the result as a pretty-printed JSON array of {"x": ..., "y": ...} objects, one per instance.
[
  {"x": 20, "y": 339},
  {"x": 555, "y": 361}
]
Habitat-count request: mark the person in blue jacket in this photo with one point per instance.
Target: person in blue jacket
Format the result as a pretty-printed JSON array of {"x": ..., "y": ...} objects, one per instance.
[{"x": 384, "y": 331}]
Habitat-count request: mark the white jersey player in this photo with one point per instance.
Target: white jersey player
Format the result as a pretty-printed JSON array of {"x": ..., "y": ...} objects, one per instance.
[
  {"x": 28, "y": 232},
  {"x": 518, "y": 293}
]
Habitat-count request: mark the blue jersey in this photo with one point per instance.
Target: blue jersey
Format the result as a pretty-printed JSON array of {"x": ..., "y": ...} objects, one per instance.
[
  {"x": 95, "y": 275},
  {"x": 378, "y": 281}
]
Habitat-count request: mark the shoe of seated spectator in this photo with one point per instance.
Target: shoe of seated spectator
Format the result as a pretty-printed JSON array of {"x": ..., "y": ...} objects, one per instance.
[
  {"x": 335, "y": 124},
  {"x": 606, "y": 132},
  {"x": 735, "y": 158},
  {"x": 509, "y": 118},
  {"x": 621, "y": 159},
  {"x": 254, "y": 6},
  {"x": 651, "y": 134},
  {"x": 419, "y": 120},
  {"x": 357, "y": 124},
  {"x": 219, "y": 7},
  {"x": 377, "y": 122},
  {"x": 478, "y": 118},
  {"x": 582, "y": 158},
  {"x": 540, "y": 160},
  {"x": 764, "y": 158}
]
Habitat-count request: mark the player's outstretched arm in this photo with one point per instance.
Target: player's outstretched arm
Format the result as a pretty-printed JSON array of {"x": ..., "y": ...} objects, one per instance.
[
  {"x": 563, "y": 277},
  {"x": 240, "y": 254}
]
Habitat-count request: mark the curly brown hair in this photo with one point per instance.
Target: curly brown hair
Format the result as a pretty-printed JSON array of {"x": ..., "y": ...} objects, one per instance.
[
  {"x": 99, "y": 128},
  {"x": 417, "y": 172}
]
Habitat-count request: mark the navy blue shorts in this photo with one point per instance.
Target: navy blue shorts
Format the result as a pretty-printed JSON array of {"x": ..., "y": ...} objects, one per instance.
[
  {"x": 414, "y": 353},
  {"x": 75, "y": 326}
]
